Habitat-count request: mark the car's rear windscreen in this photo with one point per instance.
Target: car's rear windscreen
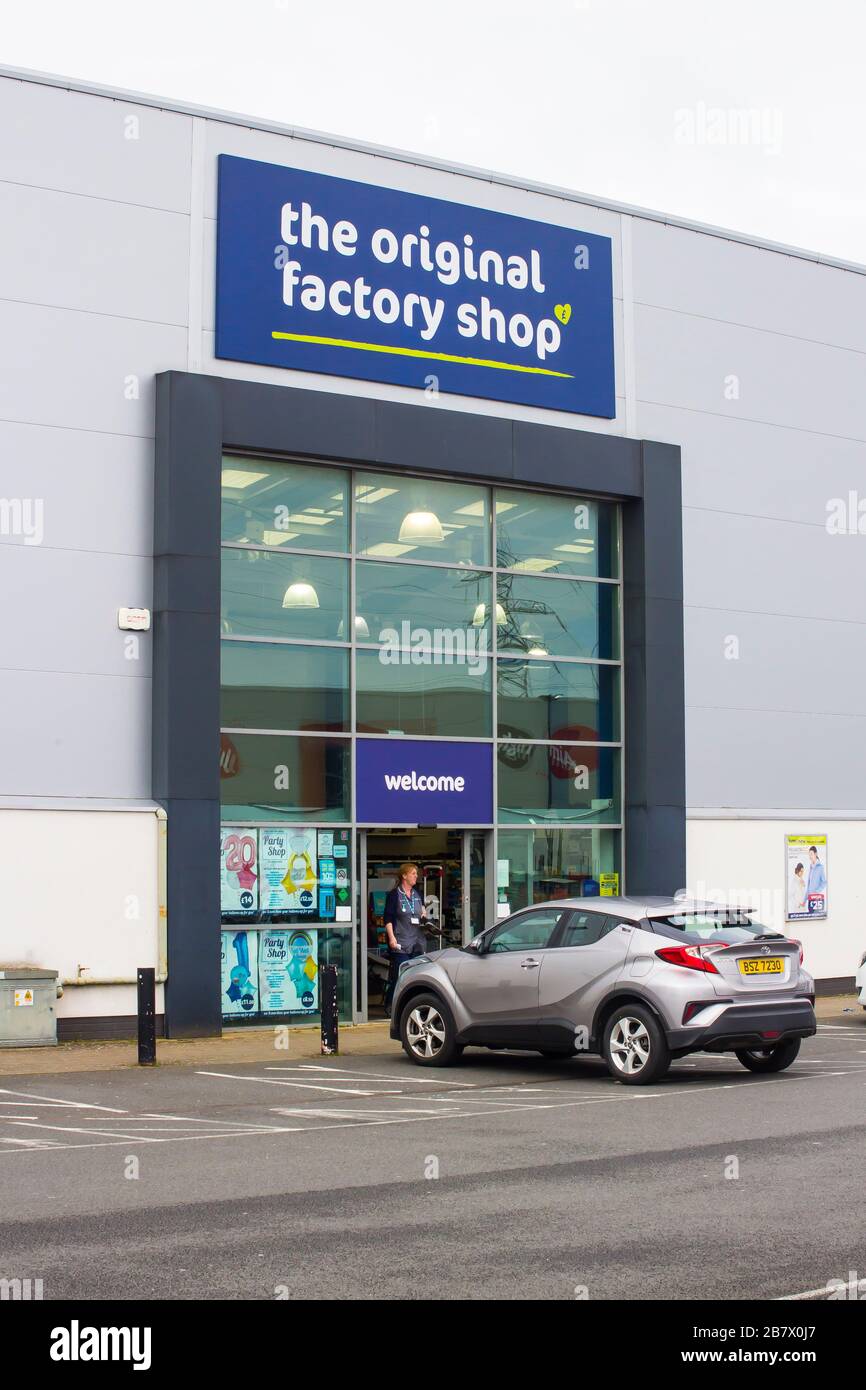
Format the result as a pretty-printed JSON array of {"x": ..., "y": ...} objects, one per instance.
[{"x": 727, "y": 927}]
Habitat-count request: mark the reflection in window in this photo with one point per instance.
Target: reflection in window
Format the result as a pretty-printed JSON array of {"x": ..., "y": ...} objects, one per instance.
[
  {"x": 421, "y": 519},
  {"x": 415, "y": 602},
  {"x": 540, "y": 534},
  {"x": 558, "y": 700},
  {"x": 284, "y": 778},
  {"x": 558, "y": 782},
  {"x": 546, "y": 617},
  {"x": 266, "y": 594},
  {"x": 443, "y": 698},
  {"x": 284, "y": 686},
  {"x": 294, "y": 506}
]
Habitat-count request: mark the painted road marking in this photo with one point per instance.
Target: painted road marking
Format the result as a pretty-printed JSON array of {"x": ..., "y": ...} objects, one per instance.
[
  {"x": 834, "y": 1287},
  {"x": 304, "y": 1085},
  {"x": 341, "y": 1072},
  {"x": 53, "y": 1100},
  {"x": 361, "y": 1116}
]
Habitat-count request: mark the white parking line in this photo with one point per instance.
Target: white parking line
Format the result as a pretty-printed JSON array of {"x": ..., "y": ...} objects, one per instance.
[
  {"x": 835, "y": 1288},
  {"x": 349, "y": 1072},
  {"x": 53, "y": 1100},
  {"x": 76, "y": 1129},
  {"x": 304, "y": 1085},
  {"x": 349, "y": 1114}
]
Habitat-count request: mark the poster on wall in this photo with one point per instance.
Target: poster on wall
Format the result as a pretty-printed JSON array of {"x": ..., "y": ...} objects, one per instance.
[
  {"x": 806, "y": 877},
  {"x": 239, "y": 972},
  {"x": 239, "y": 871},
  {"x": 289, "y": 971},
  {"x": 288, "y": 868}
]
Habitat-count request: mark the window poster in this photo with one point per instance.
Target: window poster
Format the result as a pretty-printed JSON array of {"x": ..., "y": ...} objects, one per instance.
[
  {"x": 806, "y": 877},
  {"x": 239, "y": 871},
  {"x": 289, "y": 971},
  {"x": 288, "y": 867},
  {"x": 239, "y": 972}
]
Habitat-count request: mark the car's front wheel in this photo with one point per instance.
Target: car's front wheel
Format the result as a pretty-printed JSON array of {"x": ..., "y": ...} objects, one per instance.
[
  {"x": 428, "y": 1033},
  {"x": 766, "y": 1059},
  {"x": 634, "y": 1046}
]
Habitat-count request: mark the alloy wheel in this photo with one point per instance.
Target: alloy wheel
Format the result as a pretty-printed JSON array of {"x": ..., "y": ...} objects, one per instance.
[
  {"x": 425, "y": 1031},
  {"x": 630, "y": 1045}
]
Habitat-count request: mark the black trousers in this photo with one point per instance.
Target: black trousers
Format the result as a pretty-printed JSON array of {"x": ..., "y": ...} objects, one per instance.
[{"x": 397, "y": 959}]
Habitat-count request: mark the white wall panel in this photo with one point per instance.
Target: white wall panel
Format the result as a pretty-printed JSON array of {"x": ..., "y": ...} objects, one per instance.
[
  {"x": 88, "y": 253},
  {"x": 53, "y": 138},
  {"x": 61, "y": 367},
  {"x": 747, "y": 858},
  {"x": 728, "y": 280}
]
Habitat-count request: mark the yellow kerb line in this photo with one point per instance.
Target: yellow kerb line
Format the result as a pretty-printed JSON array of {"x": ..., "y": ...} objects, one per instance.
[{"x": 419, "y": 352}]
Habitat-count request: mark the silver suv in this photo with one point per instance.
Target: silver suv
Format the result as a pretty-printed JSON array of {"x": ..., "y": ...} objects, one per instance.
[{"x": 638, "y": 980}]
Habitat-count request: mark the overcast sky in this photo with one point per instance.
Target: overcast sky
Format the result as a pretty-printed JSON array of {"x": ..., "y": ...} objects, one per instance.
[{"x": 749, "y": 114}]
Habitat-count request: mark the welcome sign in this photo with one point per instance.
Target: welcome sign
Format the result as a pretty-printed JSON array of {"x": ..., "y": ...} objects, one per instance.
[
  {"x": 322, "y": 274},
  {"x": 419, "y": 782}
]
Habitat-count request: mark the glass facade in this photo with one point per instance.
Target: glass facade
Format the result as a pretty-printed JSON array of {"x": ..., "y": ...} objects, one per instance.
[{"x": 358, "y": 604}]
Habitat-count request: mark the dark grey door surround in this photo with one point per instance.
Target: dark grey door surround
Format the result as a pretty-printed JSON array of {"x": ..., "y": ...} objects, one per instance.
[{"x": 196, "y": 418}]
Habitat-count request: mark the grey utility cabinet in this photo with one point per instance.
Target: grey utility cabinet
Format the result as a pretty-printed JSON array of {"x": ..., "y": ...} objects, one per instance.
[{"x": 28, "y": 1006}]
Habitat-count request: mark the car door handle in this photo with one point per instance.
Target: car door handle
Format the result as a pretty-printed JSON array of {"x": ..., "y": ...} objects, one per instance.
[{"x": 530, "y": 964}]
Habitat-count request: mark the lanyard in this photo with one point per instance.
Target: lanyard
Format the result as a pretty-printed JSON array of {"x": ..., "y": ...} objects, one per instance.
[{"x": 406, "y": 903}]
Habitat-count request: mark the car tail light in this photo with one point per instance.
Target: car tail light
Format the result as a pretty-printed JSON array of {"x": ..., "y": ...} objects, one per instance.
[
  {"x": 692, "y": 957},
  {"x": 794, "y": 940}
]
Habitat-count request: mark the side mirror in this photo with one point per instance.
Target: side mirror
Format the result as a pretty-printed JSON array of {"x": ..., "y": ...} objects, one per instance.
[{"x": 477, "y": 945}]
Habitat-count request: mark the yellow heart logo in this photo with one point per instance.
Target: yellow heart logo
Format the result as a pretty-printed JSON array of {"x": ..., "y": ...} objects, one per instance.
[{"x": 563, "y": 312}]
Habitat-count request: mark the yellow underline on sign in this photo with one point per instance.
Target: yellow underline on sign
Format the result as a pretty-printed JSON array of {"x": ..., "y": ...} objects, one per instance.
[{"x": 419, "y": 352}]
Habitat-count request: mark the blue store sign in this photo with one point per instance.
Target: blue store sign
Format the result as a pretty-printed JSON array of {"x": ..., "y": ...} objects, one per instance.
[
  {"x": 328, "y": 275},
  {"x": 415, "y": 782}
]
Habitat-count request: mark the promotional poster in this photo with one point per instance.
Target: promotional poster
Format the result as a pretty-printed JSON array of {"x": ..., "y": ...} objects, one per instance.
[
  {"x": 806, "y": 877},
  {"x": 288, "y": 870},
  {"x": 239, "y": 871},
  {"x": 289, "y": 971},
  {"x": 239, "y": 972}
]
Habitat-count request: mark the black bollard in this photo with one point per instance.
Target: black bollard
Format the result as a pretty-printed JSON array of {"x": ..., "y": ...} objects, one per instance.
[
  {"x": 329, "y": 1010},
  {"x": 146, "y": 1016}
]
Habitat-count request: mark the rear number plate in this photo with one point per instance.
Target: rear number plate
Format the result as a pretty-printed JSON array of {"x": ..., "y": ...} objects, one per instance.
[{"x": 774, "y": 965}]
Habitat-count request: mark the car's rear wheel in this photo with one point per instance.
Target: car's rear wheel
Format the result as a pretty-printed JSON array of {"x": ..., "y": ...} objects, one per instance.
[
  {"x": 428, "y": 1033},
  {"x": 634, "y": 1046},
  {"x": 766, "y": 1059}
]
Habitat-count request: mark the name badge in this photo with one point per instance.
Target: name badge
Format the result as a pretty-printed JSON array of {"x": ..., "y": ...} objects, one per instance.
[{"x": 414, "y": 921}]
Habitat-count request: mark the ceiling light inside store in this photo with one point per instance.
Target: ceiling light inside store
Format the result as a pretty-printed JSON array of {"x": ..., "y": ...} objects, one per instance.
[
  {"x": 279, "y": 537},
  {"x": 240, "y": 478},
  {"x": 474, "y": 509},
  {"x": 479, "y": 617},
  {"x": 388, "y": 550},
  {"x": 300, "y": 595},
  {"x": 421, "y": 528},
  {"x": 368, "y": 494},
  {"x": 361, "y": 628},
  {"x": 534, "y": 564}
]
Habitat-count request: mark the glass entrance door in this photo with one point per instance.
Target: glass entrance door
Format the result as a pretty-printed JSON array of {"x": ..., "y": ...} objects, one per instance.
[{"x": 452, "y": 879}]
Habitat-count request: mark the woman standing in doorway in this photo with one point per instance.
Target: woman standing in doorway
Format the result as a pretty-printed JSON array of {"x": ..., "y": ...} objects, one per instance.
[{"x": 404, "y": 913}]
